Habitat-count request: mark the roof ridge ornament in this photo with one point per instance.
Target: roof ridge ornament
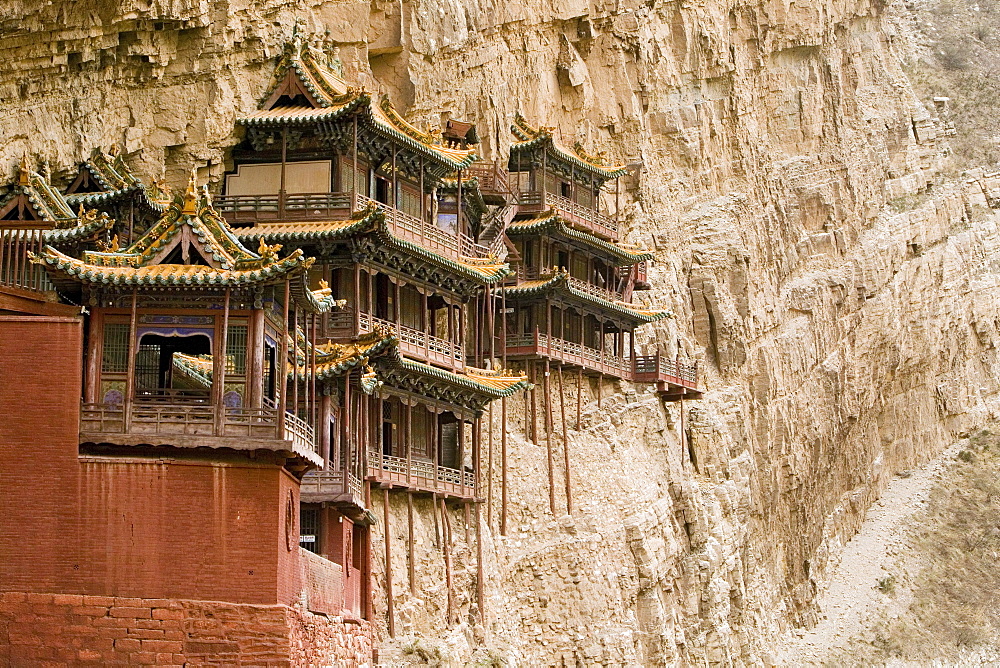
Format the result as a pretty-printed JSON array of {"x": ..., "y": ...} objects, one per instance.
[{"x": 191, "y": 196}]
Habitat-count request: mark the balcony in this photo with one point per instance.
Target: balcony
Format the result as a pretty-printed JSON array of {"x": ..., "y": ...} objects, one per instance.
[
  {"x": 595, "y": 290},
  {"x": 338, "y": 487},
  {"x": 418, "y": 344},
  {"x": 421, "y": 475},
  {"x": 579, "y": 216},
  {"x": 250, "y": 209},
  {"x": 671, "y": 376},
  {"x": 575, "y": 354},
  {"x": 194, "y": 425}
]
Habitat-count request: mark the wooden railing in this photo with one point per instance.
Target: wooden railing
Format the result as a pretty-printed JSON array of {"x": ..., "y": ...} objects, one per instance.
[
  {"x": 595, "y": 290},
  {"x": 195, "y": 419},
  {"x": 593, "y": 220},
  {"x": 492, "y": 178},
  {"x": 421, "y": 474},
  {"x": 654, "y": 368},
  {"x": 339, "y": 205},
  {"x": 569, "y": 352},
  {"x": 424, "y": 233},
  {"x": 291, "y": 207},
  {"x": 333, "y": 484},
  {"x": 16, "y": 270},
  {"x": 416, "y": 342}
]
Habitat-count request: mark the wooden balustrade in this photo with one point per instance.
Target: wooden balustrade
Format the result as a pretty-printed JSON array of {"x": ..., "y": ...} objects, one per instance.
[
  {"x": 576, "y": 214},
  {"x": 341, "y": 486},
  {"x": 195, "y": 418},
  {"x": 417, "y": 343},
  {"x": 421, "y": 475},
  {"x": 16, "y": 269}
]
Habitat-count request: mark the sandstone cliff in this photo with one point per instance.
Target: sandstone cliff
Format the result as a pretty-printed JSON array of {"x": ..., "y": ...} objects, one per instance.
[{"x": 841, "y": 293}]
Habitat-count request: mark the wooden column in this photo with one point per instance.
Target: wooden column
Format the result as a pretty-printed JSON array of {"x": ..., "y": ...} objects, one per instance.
[
  {"x": 480, "y": 577},
  {"x": 95, "y": 346},
  {"x": 461, "y": 454},
  {"x": 387, "y": 533},
  {"x": 354, "y": 175},
  {"x": 409, "y": 547},
  {"x": 281, "y": 367},
  {"x": 357, "y": 297},
  {"x": 503, "y": 466},
  {"x": 446, "y": 544},
  {"x": 409, "y": 440},
  {"x": 548, "y": 438},
  {"x": 345, "y": 426},
  {"x": 579, "y": 398},
  {"x": 323, "y": 428},
  {"x": 255, "y": 359},
  {"x": 284, "y": 159},
  {"x": 565, "y": 435},
  {"x": 219, "y": 367},
  {"x": 489, "y": 471},
  {"x": 295, "y": 362},
  {"x": 133, "y": 344}
]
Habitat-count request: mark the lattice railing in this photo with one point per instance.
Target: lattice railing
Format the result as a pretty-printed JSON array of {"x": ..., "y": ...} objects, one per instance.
[
  {"x": 413, "y": 340},
  {"x": 16, "y": 269}
]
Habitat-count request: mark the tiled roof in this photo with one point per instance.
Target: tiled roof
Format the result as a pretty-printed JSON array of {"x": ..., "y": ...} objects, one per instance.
[
  {"x": 496, "y": 384},
  {"x": 337, "y": 100},
  {"x": 230, "y": 263},
  {"x": 372, "y": 220},
  {"x": 551, "y": 223},
  {"x": 49, "y": 204},
  {"x": 559, "y": 282},
  {"x": 529, "y": 138}
]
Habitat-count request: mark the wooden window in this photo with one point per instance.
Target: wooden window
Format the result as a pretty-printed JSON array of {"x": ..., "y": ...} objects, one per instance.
[
  {"x": 236, "y": 350},
  {"x": 115, "y": 358}
]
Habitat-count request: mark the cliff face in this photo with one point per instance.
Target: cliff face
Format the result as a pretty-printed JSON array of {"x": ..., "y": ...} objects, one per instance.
[{"x": 841, "y": 295}]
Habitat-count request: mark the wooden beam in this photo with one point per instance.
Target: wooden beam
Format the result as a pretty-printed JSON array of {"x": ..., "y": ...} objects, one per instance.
[{"x": 503, "y": 466}]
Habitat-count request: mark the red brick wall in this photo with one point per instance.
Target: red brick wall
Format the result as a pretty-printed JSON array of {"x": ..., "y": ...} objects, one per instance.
[
  {"x": 179, "y": 529},
  {"x": 68, "y": 629},
  {"x": 40, "y": 372}
]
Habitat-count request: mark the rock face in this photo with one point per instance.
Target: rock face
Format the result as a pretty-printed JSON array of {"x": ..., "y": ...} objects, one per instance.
[{"x": 843, "y": 298}]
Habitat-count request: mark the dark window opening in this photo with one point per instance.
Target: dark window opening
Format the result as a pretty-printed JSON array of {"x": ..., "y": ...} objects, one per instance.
[
  {"x": 309, "y": 529},
  {"x": 155, "y": 375}
]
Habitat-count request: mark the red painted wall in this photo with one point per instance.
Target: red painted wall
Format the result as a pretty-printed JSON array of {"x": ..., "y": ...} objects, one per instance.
[{"x": 203, "y": 525}]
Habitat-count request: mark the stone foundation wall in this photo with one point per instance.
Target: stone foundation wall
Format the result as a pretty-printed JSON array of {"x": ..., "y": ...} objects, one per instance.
[{"x": 69, "y": 629}]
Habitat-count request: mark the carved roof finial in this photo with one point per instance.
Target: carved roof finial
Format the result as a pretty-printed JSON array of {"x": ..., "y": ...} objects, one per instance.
[
  {"x": 23, "y": 178},
  {"x": 191, "y": 195}
]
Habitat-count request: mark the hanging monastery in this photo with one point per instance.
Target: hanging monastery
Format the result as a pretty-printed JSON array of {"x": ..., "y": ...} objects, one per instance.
[{"x": 220, "y": 396}]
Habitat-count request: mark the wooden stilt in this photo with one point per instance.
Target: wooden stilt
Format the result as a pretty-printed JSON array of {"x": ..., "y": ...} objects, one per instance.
[
  {"x": 480, "y": 584},
  {"x": 434, "y": 512},
  {"x": 579, "y": 398},
  {"x": 503, "y": 466},
  {"x": 565, "y": 435},
  {"x": 548, "y": 439},
  {"x": 489, "y": 472},
  {"x": 468, "y": 522},
  {"x": 447, "y": 559},
  {"x": 409, "y": 547},
  {"x": 387, "y": 534}
]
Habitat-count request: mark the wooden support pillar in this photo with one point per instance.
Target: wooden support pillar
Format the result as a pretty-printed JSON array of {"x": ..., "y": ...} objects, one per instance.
[
  {"x": 95, "y": 344},
  {"x": 409, "y": 440},
  {"x": 565, "y": 436},
  {"x": 387, "y": 533},
  {"x": 281, "y": 367},
  {"x": 503, "y": 466},
  {"x": 461, "y": 452},
  {"x": 133, "y": 344},
  {"x": 284, "y": 160},
  {"x": 446, "y": 546},
  {"x": 219, "y": 368},
  {"x": 345, "y": 424},
  {"x": 468, "y": 522},
  {"x": 548, "y": 438},
  {"x": 323, "y": 428},
  {"x": 255, "y": 359},
  {"x": 480, "y": 577},
  {"x": 579, "y": 398},
  {"x": 489, "y": 471},
  {"x": 409, "y": 547}
]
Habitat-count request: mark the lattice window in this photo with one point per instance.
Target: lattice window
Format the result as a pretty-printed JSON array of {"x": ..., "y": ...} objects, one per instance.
[
  {"x": 309, "y": 529},
  {"x": 115, "y": 348},
  {"x": 236, "y": 350}
]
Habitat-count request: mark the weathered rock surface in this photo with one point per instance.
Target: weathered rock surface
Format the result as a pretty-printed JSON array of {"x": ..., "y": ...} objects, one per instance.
[{"x": 843, "y": 299}]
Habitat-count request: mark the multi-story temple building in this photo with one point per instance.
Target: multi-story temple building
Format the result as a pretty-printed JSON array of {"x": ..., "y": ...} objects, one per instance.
[{"x": 232, "y": 384}]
